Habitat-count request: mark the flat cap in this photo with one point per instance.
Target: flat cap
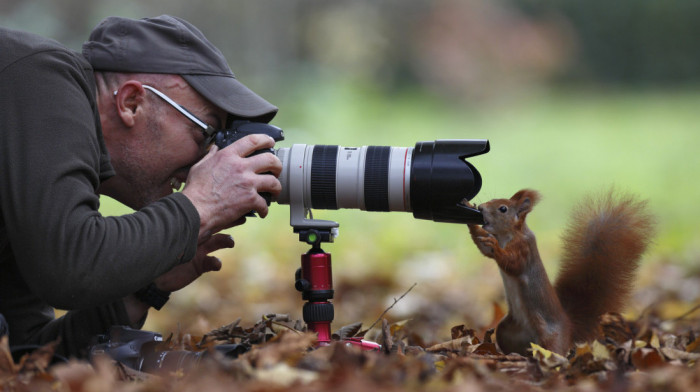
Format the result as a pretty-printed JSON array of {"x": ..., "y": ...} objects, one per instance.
[{"x": 170, "y": 45}]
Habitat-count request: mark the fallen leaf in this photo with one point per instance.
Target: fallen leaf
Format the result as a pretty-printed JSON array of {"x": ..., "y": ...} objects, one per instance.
[
  {"x": 453, "y": 345},
  {"x": 646, "y": 358},
  {"x": 547, "y": 358}
]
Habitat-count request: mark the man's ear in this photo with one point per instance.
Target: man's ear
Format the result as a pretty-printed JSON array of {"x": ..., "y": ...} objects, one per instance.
[
  {"x": 129, "y": 98},
  {"x": 525, "y": 200}
]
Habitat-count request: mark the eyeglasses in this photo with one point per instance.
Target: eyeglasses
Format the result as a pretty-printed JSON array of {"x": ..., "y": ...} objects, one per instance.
[{"x": 207, "y": 130}]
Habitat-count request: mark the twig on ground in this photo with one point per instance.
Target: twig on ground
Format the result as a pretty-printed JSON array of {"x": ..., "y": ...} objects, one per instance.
[
  {"x": 392, "y": 305},
  {"x": 686, "y": 314}
]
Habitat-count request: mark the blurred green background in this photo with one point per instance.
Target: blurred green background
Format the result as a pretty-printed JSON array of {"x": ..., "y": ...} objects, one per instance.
[{"x": 575, "y": 97}]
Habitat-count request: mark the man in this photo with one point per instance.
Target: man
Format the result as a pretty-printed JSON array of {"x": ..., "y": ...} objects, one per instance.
[{"x": 132, "y": 117}]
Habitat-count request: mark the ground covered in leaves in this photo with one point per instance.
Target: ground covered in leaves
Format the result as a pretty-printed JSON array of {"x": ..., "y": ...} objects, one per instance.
[{"x": 656, "y": 349}]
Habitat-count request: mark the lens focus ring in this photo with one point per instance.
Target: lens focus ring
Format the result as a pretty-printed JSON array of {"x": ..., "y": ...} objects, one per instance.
[
  {"x": 377, "y": 178},
  {"x": 323, "y": 167}
]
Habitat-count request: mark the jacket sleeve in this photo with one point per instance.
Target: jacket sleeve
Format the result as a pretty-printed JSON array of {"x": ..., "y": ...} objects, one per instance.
[
  {"x": 77, "y": 330},
  {"x": 50, "y": 155},
  {"x": 32, "y": 322}
]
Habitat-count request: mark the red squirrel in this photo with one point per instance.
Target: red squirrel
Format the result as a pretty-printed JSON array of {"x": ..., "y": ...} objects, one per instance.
[{"x": 602, "y": 248}]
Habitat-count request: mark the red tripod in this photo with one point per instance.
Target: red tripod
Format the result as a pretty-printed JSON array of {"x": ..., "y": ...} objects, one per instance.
[{"x": 315, "y": 281}]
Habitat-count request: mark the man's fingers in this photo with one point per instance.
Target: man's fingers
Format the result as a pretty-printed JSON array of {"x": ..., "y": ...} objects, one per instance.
[
  {"x": 239, "y": 222},
  {"x": 269, "y": 184},
  {"x": 259, "y": 163},
  {"x": 267, "y": 163},
  {"x": 216, "y": 242},
  {"x": 207, "y": 264},
  {"x": 251, "y": 143}
]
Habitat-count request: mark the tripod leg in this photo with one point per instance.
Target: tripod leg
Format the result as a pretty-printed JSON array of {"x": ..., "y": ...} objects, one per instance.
[{"x": 318, "y": 317}]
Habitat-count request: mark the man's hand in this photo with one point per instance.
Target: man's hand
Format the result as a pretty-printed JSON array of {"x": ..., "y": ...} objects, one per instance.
[
  {"x": 226, "y": 184},
  {"x": 184, "y": 274}
]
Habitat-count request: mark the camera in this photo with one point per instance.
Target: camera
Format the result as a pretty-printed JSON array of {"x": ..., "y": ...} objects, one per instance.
[
  {"x": 431, "y": 179},
  {"x": 146, "y": 351}
]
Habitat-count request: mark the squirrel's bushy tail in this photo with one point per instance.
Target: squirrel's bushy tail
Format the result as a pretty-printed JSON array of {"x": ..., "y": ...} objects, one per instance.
[{"x": 603, "y": 244}]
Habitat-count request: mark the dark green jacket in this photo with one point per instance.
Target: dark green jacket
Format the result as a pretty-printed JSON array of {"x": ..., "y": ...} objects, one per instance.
[{"x": 56, "y": 249}]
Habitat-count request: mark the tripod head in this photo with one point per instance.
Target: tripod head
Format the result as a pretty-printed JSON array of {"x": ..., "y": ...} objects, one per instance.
[{"x": 315, "y": 236}]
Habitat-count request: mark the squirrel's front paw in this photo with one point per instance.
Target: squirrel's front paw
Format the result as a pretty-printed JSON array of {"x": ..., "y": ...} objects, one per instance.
[{"x": 486, "y": 245}]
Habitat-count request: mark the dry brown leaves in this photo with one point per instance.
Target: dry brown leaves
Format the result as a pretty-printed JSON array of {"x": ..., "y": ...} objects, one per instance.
[{"x": 633, "y": 355}]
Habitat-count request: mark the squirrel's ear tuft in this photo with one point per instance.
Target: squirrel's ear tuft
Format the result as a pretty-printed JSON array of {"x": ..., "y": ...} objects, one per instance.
[{"x": 525, "y": 199}]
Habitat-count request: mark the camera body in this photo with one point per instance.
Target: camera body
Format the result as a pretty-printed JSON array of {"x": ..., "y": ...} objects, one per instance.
[
  {"x": 147, "y": 352},
  {"x": 242, "y": 128},
  {"x": 430, "y": 179},
  {"x": 126, "y": 345}
]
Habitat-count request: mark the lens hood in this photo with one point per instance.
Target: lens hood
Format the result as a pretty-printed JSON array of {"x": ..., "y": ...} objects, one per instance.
[{"x": 441, "y": 177}]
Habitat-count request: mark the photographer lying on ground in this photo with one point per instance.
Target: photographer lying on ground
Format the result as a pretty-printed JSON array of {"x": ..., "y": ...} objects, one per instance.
[{"x": 109, "y": 122}]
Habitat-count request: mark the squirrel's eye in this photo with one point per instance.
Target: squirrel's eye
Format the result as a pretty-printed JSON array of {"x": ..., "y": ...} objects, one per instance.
[{"x": 503, "y": 209}]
